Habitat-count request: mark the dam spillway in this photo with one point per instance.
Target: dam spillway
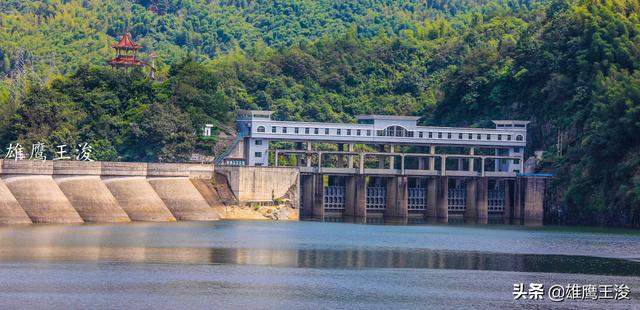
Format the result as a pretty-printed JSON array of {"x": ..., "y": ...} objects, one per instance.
[
  {"x": 178, "y": 193},
  {"x": 101, "y": 192},
  {"x": 128, "y": 183},
  {"x": 10, "y": 210},
  {"x": 81, "y": 184}
]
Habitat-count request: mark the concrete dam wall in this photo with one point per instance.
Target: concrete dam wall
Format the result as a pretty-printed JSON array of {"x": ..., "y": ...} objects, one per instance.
[{"x": 101, "y": 192}]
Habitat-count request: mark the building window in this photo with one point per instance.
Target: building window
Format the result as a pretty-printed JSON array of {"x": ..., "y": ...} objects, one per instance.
[
  {"x": 460, "y": 136},
  {"x": 439, "y": 135},
  {"x": 488, "y": 137},
  {"x": 273, "y": 129},
  {"x": 326, "y": 131},
  {"x": 394, "y": 131},
  {"x": 306, "y": 130},
  {"x": 369, "y": 132},
  {"x": 516, "y": 150},
  {"x": 448, "y": 135},
  {"x": 338, "y": 131},
  {"x": 430, "y": 135},
  {"x": 348, "y": 132},
  {"x": 359, "y": 132},
  {"x": 261, "y": 129},
  {"x": 315, "y": 131},
  {"x": 508, "y": 137},
  {"x": 296, "y": 130},
  {"x": 478, "y": 137},
  {"x": 258, "y": 154},
  {"x": 258, "y": 142},
  {"x": 470, "y": 136},
  {"x": 420, "y": 134},
  {"x": 499, "y": 137},
  {"x": 519, "y": 138},
  {"x": 284, "y": 129}
]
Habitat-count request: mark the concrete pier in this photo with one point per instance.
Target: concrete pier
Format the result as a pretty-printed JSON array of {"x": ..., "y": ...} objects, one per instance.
[
  {"x": 81, "y": 184},
  {"x": 355, "y": 200},
  {"x": 128, "y": 184},
  {"x": 182, "y": 199},
  {"x": 92, "y": 199},
  {"x": 138, "y": 199},
  {"x": 534, "y": 190},
  {"x": 171, "y": 183},
  {"x": 37, "y": 193},
  {"x": 397, "y": 194},
  {"x": 10, "y": 210}
]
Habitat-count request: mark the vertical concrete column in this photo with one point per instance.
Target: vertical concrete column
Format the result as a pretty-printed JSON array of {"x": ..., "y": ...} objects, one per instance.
[
  {"x": 517, "y": 200},
  {"x": 298, "y": 155},
  {"x": 318, "y": 198},
  {"x": 472, "y": 151},
  {"x": 350, "y": 157},
  {"x": 506, "y": 215},
  {"x": 432, "y": 160},
  {"x": 392, "y": 159},
  {"x": 340, "y": 160},
  {"x": 432, "y": 198},
  {"x": 381, "y": 159},
  {"x": 397, "y": 195},
  {"x": 361, "y": 167},
  {"x": 482, "y": 199},
  {"x": 442, "y": 203},
  {"x": 355, "y": 197},
  {"x": 308, "y": 156},
  {"x": 443, "y": 165},
  {"x": 534, "y": 200},
  {"x": 307, "y": 195},
  {"x": 471, "y": 210}
]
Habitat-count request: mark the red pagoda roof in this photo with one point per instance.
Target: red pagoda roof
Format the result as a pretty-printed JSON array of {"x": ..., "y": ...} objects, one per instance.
[{"x": 126, "y": 43}]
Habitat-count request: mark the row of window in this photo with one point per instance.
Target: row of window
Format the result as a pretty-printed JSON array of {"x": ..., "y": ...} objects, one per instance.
[{"x": 397, "y": 131}]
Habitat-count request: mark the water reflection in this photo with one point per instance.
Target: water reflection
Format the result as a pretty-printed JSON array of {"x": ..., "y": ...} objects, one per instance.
[{"x": 325, "y": 258}]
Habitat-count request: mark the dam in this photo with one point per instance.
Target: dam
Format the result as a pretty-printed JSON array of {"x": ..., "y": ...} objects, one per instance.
[
  {"x": 102, "y": 192},
  {"x": 389, "y": 167}
]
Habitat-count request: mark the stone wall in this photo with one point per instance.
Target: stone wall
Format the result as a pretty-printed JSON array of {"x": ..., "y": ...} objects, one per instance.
[{"x": 261, "y": 184}]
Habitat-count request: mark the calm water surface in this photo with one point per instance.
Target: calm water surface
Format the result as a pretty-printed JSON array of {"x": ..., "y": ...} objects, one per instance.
[{"x": 272, "y": 265}]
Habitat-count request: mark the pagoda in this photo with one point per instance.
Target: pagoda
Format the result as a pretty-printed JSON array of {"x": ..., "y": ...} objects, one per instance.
[{"x": 126, "y": 53}]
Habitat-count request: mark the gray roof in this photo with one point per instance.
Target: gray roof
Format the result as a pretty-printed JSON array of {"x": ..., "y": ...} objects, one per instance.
[{"x": 388, "y": 117}]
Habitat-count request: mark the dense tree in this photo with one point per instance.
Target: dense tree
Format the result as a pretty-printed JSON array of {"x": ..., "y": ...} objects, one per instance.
[{"x": 568, "y": 66}]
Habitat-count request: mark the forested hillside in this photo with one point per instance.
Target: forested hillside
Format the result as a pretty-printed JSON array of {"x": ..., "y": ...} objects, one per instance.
[{"x": 571, "y": 67}]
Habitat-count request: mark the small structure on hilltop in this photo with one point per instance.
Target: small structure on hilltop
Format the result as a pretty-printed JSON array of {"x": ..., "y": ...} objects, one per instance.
[{"x": 127, "y": 55}]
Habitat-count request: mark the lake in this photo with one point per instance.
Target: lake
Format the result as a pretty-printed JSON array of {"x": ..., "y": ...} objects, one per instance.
[{"x": 275, "y": 265}]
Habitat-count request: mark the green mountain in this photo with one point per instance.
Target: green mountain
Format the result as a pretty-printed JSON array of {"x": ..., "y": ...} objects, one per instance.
[{"x": 571, "y": 67}]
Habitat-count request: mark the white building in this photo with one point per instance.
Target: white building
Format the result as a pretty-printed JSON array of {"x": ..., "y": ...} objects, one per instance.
[{"x": 257, "y": 129}]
